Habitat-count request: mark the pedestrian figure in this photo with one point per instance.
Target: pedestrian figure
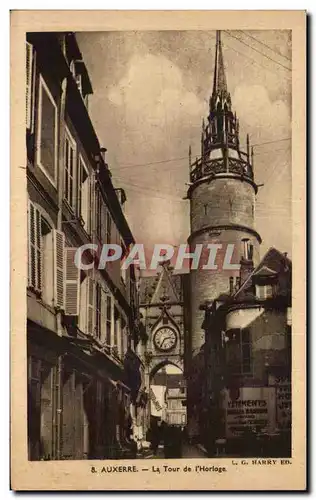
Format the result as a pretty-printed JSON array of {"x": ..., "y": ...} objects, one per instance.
[{"x": 172, "y": 442}]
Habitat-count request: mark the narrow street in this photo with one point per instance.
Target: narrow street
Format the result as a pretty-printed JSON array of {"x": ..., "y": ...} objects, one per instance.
[{"x": 188, "y": 451}]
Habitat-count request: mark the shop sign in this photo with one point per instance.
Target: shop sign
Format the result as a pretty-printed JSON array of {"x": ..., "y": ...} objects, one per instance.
[{"x": 253, "y": 410}]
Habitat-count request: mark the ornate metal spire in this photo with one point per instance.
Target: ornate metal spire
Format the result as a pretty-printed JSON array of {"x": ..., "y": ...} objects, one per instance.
[
  {"x": 220, "y": 83},
  {"x": 220, "y": 147}
]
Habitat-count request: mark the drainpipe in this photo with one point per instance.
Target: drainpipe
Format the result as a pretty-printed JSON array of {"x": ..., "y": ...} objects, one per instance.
[{"x": 59, "y": 328}]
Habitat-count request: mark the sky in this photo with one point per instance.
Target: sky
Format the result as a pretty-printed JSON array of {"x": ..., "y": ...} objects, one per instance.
[{"x": 151, "y": 91}]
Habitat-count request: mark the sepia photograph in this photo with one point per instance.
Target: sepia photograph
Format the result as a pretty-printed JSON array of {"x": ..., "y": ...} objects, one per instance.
[{"x": 158, "y": 247}]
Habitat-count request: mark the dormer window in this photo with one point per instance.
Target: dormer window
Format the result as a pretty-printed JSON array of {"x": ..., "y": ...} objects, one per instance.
[
  {"x": 78, "y": 79},
  {"x": 81, "y": 77},
  {"x": 77, "y": 76},
  {"x": 265, "y": 291}
]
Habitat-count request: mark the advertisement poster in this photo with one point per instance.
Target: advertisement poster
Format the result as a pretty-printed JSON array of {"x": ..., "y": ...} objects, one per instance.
[{"x": 158, "y": 250}]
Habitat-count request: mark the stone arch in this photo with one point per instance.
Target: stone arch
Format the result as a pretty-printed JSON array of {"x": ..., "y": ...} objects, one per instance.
[{"x": 161, "y": 363}]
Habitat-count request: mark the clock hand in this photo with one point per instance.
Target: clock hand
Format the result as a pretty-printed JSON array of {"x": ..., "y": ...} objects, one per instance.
[{"x": 166, "y": 338}]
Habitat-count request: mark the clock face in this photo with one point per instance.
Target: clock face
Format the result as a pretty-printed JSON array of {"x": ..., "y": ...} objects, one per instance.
[{"x": 165, "y": 339}]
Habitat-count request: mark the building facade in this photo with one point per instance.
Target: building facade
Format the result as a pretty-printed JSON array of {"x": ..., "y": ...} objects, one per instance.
[
  {"x": 174, "y": 398},
  {"x": 83, "y": 372},
  {"x": 164, "y": 323},
  {"x": 247, "y": 391},
  {"x": 222, "y": 197}
]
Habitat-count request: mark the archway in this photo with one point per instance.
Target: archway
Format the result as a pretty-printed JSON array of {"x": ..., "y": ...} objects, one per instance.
[
  {"x": 164, "y": 363},
  {"x": 168, "y": 394}
]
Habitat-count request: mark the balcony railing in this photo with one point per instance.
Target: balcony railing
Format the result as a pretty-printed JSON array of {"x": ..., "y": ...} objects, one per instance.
[{"x": 205, "y": 167}]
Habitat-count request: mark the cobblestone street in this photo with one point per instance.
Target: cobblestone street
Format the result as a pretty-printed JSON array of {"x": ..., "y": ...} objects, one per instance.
[{"x": 188, "y": 451}]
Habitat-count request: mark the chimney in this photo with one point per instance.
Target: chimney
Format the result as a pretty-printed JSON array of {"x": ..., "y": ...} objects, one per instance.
[
  {"x": 231, "y": 285},
  {"x": 246, "y": 268},
  {"x": 102, "y": 152},
  {"x": 120, "y": 193}
]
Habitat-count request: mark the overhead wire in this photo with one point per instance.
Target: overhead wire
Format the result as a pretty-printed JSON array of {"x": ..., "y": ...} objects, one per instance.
[
  {"x": 147, "y": 188},
  {"x": 170, "y": 160},
  {"x": 265, "y": 45},
  {"x": 256, "y": 50},
  {"x": 250, "y": 58}
]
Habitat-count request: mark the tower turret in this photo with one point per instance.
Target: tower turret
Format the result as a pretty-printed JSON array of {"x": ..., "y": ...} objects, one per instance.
[{"x": 222, "y": 198}]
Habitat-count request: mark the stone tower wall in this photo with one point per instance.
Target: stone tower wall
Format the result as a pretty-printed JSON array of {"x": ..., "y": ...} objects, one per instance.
[
  {"x": 223, "y": 200},
  {"x": 227, "y": 219}
]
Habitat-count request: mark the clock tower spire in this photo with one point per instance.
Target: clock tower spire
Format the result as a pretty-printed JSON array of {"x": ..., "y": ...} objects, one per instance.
[{"x": 222, "y": 197}]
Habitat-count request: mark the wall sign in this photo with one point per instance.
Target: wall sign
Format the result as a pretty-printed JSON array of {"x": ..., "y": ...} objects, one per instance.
[{"x": 254, "y": 409}]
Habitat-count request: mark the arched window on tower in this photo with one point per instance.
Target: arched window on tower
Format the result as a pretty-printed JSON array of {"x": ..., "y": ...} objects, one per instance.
[{"x": 247, "y": 249}]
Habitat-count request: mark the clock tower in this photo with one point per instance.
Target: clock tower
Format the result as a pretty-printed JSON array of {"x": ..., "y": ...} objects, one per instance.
[
  {"x": 222, "y": 194},
  {"x": 222, "y": 200},
  {"x": 162, "y": 315}
]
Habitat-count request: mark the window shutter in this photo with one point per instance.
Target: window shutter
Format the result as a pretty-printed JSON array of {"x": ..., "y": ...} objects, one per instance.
[
  {"x": 72, "y": 284},
  {"x": 79, "y": 188},
  {"x": 103, "y": 314},
  {"x": 29, "y": 65},
  {"x": 34, "y": 248},
  {"x": 39, "y": 257},
  {"x": 83, "y": 305},
  {"x": 92, "y": 203},
  {"x": 91, "y": 303},
  {"x": 85, "y": 203},
  {"x": 31, "y": 245},
  {"x": 59, "y": 269}
]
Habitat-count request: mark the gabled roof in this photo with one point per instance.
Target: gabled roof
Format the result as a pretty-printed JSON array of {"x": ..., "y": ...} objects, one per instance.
[
  {"x": 264, "y": 271},
  {"x": 273, "y": 263},
  {"x": 164, "y": 287}
]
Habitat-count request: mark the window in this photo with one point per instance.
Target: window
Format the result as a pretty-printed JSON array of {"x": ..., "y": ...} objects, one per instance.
[
  {"x": 78, "y": 79},
  {"x": 98, "y": 214},
  {"x": 35, "y": 257},
  {"x": 83, "y": 194},
  {"x": 96, "y": 306},
  {"x": 77, "y": 76},
  {"x": 70, "y": 170},
  {"x": 47, "y": 133},
  {"x": 108, "y": 227},
  {"x": 123, "y": 337},
  {"x": 174, "y": 404},
  {"x": 91, "y": 302},
  {"x": 238, "y": 351},
  {"x": 45, "y": 257},
  {"x": 117, "y": 329},
  {"x": 108, "y": 319},
  {"x": 245, "y": 351},
  {"x": 123, "y": 270},
  {"x": 247, "y": 249},
  {"x": 264, "y": 291},
  {"x": 98, "y": 311}
]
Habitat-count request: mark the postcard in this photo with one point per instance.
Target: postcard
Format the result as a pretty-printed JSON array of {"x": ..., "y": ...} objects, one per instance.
[{"x": 158, "y": 218}]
